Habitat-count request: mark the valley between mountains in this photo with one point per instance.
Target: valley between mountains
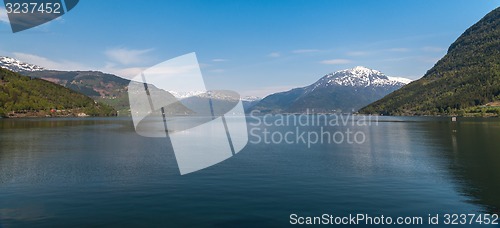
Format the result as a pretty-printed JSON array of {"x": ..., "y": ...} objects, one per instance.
[{"x": 465, "y": 82}]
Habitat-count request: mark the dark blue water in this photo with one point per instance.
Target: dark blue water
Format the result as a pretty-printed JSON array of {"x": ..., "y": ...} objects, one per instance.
[{"x": 99, "y": 172}]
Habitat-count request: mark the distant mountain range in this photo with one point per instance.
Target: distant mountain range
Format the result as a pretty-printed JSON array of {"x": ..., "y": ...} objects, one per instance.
[
  {"x": 342, "y": 91},
  {"x": 184, "y": 95},
  {"x": 106, "y": 88},
  {"x": 466, "y": 81}
]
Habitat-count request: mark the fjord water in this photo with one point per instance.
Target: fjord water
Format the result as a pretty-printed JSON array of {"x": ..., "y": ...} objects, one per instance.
[{"x": 98, "y": 171}]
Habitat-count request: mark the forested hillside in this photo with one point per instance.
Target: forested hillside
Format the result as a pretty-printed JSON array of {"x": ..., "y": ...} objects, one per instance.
[
  {"x": 465, "y": 81},
  {"x": 22, "y": 96}
]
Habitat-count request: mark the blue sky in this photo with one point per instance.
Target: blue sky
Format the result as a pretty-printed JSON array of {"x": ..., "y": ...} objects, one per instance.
[{"x": 254, "y": 47}]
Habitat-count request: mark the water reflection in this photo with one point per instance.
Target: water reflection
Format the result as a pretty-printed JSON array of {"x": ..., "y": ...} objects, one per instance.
[
  {"x": 474, "y": 155},
  {"x": 469, "y": 151},
  {"x": 65, "y": 171}
]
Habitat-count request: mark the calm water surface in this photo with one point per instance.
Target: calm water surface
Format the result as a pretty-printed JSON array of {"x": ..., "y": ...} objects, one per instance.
[{"x": 99, "y": 172}]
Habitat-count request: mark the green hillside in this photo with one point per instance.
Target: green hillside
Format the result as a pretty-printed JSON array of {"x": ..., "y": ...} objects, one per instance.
[
  {"x": 106, "y": 88},
  {"x": 466, "y": 81},
  {"x": 22, "y": 96}
]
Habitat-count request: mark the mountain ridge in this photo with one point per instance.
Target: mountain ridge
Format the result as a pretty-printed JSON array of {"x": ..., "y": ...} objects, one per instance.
[
  {"x": 15, "y": 65},
  {"x": 102, "y": 87},
  {"x": 344, "y": 90},
  {"x": 23, "y": 96},
  {"x": 466, "y": 81}
]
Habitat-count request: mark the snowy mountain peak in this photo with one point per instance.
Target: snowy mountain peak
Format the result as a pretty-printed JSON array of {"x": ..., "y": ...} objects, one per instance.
[
  {"x": 183, "y": 95},
  {"x": 251, "y": 98},
  {"x": 18, "y": 66},
  {"x": 361, "y": 70},
  {"x": 359, "y": 76},
  {"x": 400, "y": 79}
]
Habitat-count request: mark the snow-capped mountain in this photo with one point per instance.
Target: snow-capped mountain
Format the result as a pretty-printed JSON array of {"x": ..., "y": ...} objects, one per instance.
[
  {"x": 195, "y": 96},
  {"x": 400, "y": 79},
  {"x": 18, "y": 66},
  {"x": 250, "y": 98},
  {"x": 219, "y": 96},
  {"x": 345, "y": 90},
  {"x": 183, "y": 95},
  {"x": 358, "y": 77}
]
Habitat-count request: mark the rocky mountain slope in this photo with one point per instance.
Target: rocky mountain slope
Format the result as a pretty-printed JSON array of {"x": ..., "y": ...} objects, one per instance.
[{"x": 342, "y": 91}]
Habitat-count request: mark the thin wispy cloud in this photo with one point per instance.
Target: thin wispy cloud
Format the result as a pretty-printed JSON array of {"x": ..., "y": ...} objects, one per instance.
[
  {"x": 398, "y": 59},
  {"x": 126, "y": 72},
  {"x": 301, "y": 51},
  {"x": 422, "y": 59},
  {"x": 357, "y": 53},
  {"x": 274, "y": 54},
  {"x": 398, "y": 49},
  {"x": 49, "y": 63},
  {"x": 220, "y": 60},
  {"x": 127, "y": 56},
  {"x": 336, "y": 61},
  {"x": 432, "y": 49}
]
